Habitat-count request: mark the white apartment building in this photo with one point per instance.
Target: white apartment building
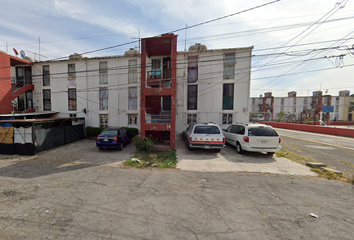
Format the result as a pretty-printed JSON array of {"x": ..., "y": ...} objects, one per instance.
[
  {"x": 212, "y": 85},
  {"x": 293, "y": 106}
]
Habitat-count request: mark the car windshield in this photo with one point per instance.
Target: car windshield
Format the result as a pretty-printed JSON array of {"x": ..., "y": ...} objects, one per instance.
[
  {"x": 207, "y": 130},
  {"x": 262, "y": 131},
  {"x": 109, "y": 132}
]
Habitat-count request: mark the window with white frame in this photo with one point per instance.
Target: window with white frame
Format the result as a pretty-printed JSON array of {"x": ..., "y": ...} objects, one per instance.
[
  {"x": 253, "y": 101},
  {"x": 192, "y": 97},
  {"x": 72, "y": 105},
  {"x": 132, "y": 119},
  {"x": 132, "y": 98},
  {"x": 228, "y": 96},
  {"x": 226, "y": 118},
  {"x": 103, "y": 96},
  {"x": 191, "y": 118},
  {"x": 46, "y": 75},
  {"x": 282, "y": 108},
  {"x": 47, "y": 104},
  {"x": 294, "y": 109},
  {"x": 192, "y": 69},
  {"x": 132, "y": 71},
  {"x": 282, "y": 101},
  {"x": 103, "y": 120},
  {"x": 103, "y": 72},
  {"x": 229, "y": 65}
]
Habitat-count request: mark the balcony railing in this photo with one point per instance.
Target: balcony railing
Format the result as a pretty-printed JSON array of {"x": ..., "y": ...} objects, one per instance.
[
  {"x": 158, "y": 118},
  {"x": 159, "y": 79},
  {"x": 18, "y": 82}
]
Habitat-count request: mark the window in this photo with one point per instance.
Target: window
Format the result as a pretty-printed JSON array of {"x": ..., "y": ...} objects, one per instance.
[
  {"x": 294, "y": 109},
  {"x": 103, "y": 95},
  {"x": 192, "y": 69},
  {"x": 133, "y": 98},
  {"x": 71, "y": 75},
  {"x": 192, "y": 97},
  {"x": 228, "y": 96},
  {"x": 156, "y": 68},
  {"x": 282, "y": 101},
  {"x": 103, "y": 120},
  {"x": 46, "y": 75},
  {"x": 253, "y": 101},
  {"x": 206, "y": 130},
  {"x": 229, "y": 66},
  {"x": 226, "y": 118},
  {"x": 47, "y": 104},
  {"x": 72, "y": 99},
  {"x": 166, "y": 103},
  {"x": 282, "y": 108},
  {"x": 132, "y": 71},
  {"x": 103, "y": 72},
  {"x": 72, "y": 115},
  {"x": 305, "y": 101},
  {"x": 191, "y": 118},
  {"x": 132, "y": 119}
]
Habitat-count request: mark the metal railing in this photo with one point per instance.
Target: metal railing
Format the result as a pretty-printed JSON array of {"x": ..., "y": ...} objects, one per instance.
[{"x": 158, "y": 118}]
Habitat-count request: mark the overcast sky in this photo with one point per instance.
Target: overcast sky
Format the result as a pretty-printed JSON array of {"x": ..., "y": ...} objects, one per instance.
[{"x": 299, "y": 45}]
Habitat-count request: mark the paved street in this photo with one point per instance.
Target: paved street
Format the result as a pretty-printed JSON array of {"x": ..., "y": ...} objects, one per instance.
[
  {"x": 108, "y": 202},
  {"x": 335, "y": 151},
  {"x": 79, "y": 192}
]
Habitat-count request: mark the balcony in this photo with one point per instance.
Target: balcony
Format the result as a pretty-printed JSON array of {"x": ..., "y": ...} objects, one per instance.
[
  {"x": 158, "y": 118},
  {"x": 159, "y": 79}
]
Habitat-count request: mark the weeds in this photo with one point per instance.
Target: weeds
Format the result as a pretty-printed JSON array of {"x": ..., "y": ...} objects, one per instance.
[{"x": 157, "y": 158}]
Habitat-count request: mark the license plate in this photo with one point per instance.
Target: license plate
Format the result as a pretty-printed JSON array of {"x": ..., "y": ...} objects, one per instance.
[
  {"x": 207, "y": 146},
  {"x": 106, "y": 140},
  {"x": 264, "y": 141}
]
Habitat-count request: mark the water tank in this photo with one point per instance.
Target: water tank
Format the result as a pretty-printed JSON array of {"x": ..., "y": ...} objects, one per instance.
[
  {"x": 197, "y": 48},
  {"x": 76, "y": 56},
  {"x": 131, "y": 52}
]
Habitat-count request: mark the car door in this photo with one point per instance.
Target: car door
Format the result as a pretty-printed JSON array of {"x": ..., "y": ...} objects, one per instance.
[{"x": 228, "y": 135}]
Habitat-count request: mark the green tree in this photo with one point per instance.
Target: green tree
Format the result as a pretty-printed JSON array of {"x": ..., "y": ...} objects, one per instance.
[{"x": 281, "y": 116}]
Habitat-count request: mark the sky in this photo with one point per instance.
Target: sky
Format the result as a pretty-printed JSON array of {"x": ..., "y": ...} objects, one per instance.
[{"x": 299, "y": 45}]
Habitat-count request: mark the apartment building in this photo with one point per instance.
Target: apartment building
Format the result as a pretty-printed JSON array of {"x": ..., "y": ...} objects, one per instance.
[
  {"x": 297, "y": 108},
  {"x": 159, "y": 91}
]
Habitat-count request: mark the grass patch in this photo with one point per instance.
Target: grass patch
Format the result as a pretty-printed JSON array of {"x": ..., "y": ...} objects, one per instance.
[
  {"x": 347, "y": 163},
  {"x": 294, "y": 157},
  {"x": 321, "y": 172},
  {"x": 157, "y": 158}
]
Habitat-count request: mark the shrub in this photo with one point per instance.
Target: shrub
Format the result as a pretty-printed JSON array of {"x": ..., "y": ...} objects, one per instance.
[
  {"x": 92, "y": 132},
  {"x": 308, "y": 121},
  {"x": 143, "y": 144},
  {"x": 132, "y": 131}
]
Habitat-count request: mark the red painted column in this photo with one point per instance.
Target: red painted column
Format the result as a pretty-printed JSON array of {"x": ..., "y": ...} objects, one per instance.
[
  {"x": 5, "y": 84},
  {"x": 142, "y": 86},
  {"x": 174, "y": 92}
]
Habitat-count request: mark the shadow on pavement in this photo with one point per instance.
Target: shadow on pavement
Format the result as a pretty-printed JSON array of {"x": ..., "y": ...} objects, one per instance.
[{"x": 70, "y": 157}]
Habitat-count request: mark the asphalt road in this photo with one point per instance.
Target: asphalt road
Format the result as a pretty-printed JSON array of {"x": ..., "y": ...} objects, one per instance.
[
  {"x": 78, "y": 192},
  {"x": 337, "y": 152}
]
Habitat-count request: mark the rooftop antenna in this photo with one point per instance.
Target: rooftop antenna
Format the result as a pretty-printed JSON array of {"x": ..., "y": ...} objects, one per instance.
[
  {"x": 138, "y": 38},
  {"x": 35, "y": 54},
  {"x": 185, "y": 39}
]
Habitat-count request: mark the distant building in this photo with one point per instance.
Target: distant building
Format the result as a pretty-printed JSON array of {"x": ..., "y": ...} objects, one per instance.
[{"x": 299, "y": 108}]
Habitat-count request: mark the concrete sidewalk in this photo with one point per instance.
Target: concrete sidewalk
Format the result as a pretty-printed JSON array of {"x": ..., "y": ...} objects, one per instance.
[{"x": 200, "y": 160}]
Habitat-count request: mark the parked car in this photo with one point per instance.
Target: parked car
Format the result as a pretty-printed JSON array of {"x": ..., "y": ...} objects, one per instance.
[
  {"x": 253, "y": 138},
  {"x": 204, "y": 135},
  {"x": 113, "y": 137}
]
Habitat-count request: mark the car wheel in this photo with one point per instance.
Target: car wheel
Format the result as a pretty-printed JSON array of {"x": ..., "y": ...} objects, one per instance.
[
  {"x": 119, "y": 146},
  {"x": 217, "y": 150},
  {"x": 270, "y": 153},
  {"x": 239, "y": 149}
]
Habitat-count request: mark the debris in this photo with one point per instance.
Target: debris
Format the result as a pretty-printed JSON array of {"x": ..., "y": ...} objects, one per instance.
[
  {"x": 154, "y": 165},
  {"x": 135, "y": 160},
  {"x": 315, "y": 165},
  {"x": 313, "y": 215},
  {"x": 47, "y": 211}
]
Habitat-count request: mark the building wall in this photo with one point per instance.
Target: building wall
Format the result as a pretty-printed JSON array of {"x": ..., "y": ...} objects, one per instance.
[
  {"x": 87, "y": 89},
  {"x": 210, "y": 88}
]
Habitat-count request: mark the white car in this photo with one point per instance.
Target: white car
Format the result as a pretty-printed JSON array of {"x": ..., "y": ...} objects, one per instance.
[
  {"x": 253, "y": 138},
  {"x": 204, "y": 135}
]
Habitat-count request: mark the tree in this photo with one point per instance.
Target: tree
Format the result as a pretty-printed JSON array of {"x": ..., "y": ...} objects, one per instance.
[{"x": 281, "y": 116}]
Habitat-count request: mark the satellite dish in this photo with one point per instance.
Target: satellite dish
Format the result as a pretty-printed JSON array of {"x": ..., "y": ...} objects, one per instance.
[
  {"x": 23, "y": 54},
  {"x": 15, "y": 51}
]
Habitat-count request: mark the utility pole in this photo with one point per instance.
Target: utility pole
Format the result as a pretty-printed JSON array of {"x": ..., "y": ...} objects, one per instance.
[{"x": 39, "y": 48}]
